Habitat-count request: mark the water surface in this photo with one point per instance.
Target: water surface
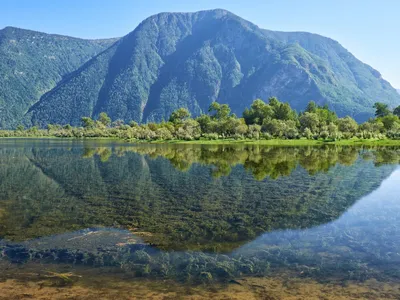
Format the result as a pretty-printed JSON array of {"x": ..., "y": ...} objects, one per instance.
[{"x": 87, "y": 218}]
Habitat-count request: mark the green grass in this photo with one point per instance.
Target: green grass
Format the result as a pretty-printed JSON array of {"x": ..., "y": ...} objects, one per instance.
[
  {"x": 281, "y": 142},
  {"x": 272, "y": 142}
]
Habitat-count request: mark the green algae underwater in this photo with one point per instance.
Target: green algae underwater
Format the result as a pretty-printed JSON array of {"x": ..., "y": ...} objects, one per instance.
[{"x": 85, "y": 219}]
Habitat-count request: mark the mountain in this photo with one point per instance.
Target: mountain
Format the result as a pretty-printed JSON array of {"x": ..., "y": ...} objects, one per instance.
[
  {"x": 174, "y": 60},
  {"x": 398, "y": 90},
  {"x": 32, "y": 63}
]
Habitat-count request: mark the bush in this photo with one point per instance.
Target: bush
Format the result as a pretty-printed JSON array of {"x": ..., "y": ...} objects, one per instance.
[
  {"x": 210, "y": 136},
  {"x": 292, "y": 133},
  {"x": 324, "y": 135},
  {"x": 307, "y": 133},
  {"x": 164, "y": 134},
  {"x": 254, "y": 131}
]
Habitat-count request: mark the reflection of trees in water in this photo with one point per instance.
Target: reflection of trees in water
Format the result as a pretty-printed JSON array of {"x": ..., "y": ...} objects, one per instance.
[
  {"x": 262, "y": 161},
  {"x": 54, "y": 190}
]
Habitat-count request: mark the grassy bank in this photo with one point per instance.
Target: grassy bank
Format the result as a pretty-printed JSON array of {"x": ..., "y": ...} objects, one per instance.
[
  {"x": 280, "y": 142},
  {"x": 270, "y": 142}
]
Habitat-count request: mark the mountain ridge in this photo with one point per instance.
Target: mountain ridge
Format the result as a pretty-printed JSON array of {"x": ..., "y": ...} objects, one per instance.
[
  {"x": 26, "y": 30},
  {"x": 173, "y": 60},
  {"x": 32, "y": 63}
]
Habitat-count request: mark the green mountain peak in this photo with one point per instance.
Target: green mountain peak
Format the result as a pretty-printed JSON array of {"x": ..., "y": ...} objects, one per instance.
[{"x": 189, "y": 60}]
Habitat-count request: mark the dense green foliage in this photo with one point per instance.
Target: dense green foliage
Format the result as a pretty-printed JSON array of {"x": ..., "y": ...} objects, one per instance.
[
  {"x": 262, "y": 121},
  {"x": 32, "y": 63},
  {"x": 190, "y": 60}
]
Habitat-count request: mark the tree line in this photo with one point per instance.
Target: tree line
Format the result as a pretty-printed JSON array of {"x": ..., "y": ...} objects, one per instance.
[{"x": 263, "y": 120}]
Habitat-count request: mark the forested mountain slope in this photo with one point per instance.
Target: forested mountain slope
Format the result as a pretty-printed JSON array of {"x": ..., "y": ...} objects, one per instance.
[
  {"x": 32, "y": 63},
  {"x": 174, "y": 60}
]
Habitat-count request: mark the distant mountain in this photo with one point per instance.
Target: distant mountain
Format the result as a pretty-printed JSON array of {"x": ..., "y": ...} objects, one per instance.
[
  {"x": 398, "y": 90},
  {"x": 32, "y": 63},
  {"x": 174, "y": 60}
]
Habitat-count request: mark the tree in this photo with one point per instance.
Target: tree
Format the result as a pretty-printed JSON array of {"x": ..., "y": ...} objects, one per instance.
[
  {"x": 347, "y": 124},
  {"x": 396, "y": 111},
  {"x": 310, "y": 121},
  {"x": 280, "y": 128},
  {"x": 390, "y": 121},
  {"x": 152, "y": 126},
  {"x": 326, "y": 116},
  {"x": 87, "y": 122},
  {"x": 190, "y": 130},
  {"x": 227, "y": 127},
  {"x": 311, "y": 107},
  {"x": 381, "y": 109},
  {"x": 20, "y": 127},
  {"x": 179, "y": 115},
  {"x": 163, "y": 134},
  {"x": 104, "y": 119},
  {"x": 241, "y": 128},
  {"x": 133, "y": 124},
  {"x": 117, "y": 123},
  {"x": 374, "y": 126},
  {"x": 273, "y": 101},
  {"x": 258, "y": 111},
  {"x": 33, "y": 129},
  {"x": 221, "y": 111},
  {"x": 291, "y": 130},
  {"x": 307, "y": 133},
  {"x": 333, "y": 131},
  {"x": 205, "y": 122},
  {"x": 284, "y": 112},
  {"x": 281, "y": 111},
  {"x": 254, "y": 131},
  {"x": 275, "y": 127}
]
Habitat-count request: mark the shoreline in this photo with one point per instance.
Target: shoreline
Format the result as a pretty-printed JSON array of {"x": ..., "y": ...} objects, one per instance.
[
  {"x": 279, "y": 142},
  {"x": 271, "y": 142},
  {"x": 65, "y": 282}
]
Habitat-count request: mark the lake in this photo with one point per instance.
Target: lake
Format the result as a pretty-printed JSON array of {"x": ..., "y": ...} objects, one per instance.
[{"x": 112, "y": 220}]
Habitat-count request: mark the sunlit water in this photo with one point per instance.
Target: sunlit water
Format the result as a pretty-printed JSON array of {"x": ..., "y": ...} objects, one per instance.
[{"x": 88, "y": 218}]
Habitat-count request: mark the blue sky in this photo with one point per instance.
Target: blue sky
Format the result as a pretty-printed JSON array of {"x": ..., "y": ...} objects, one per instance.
[{"x": 367, "y": 28}]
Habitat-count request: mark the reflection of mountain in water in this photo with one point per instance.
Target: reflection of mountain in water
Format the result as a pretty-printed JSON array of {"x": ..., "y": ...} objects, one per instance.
[
  {"x": 362, "y": 244},
  {"x": 47, "y": 191}
]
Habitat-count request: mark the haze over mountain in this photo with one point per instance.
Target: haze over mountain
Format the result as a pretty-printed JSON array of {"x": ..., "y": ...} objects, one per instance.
[{"x": 174, "y": 60}]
